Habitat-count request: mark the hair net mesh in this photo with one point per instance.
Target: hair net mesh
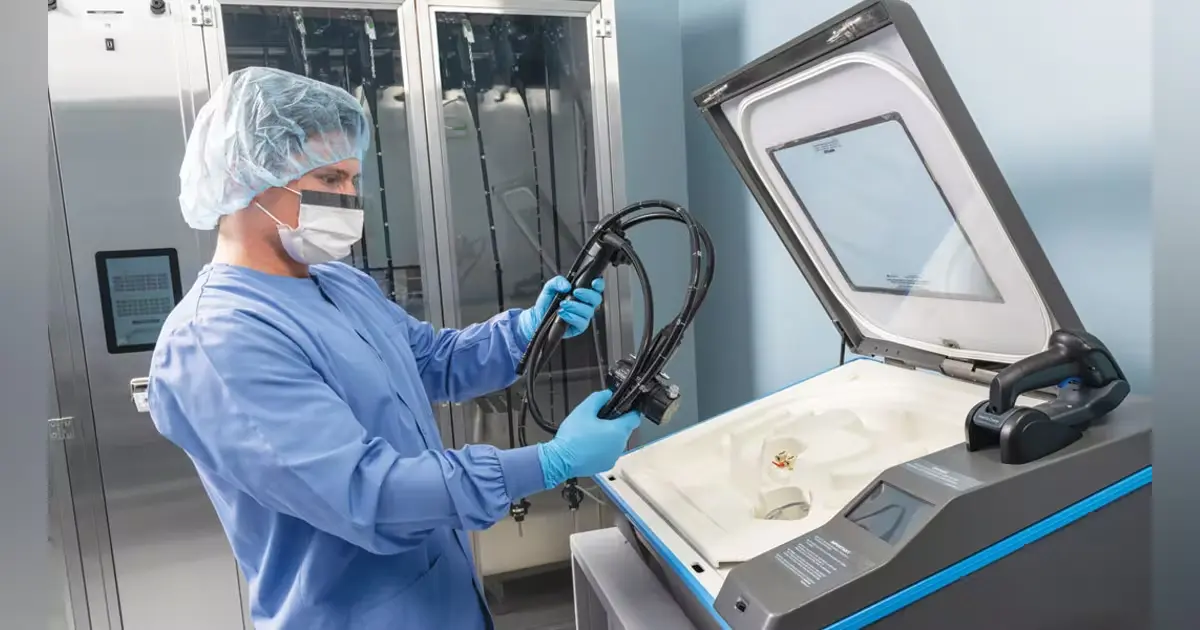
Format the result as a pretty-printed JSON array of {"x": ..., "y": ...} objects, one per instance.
[{"x": 263, "y": 128}]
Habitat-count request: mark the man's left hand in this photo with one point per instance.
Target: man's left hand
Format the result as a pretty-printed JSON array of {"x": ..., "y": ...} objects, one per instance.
[{"x": 576, "y": 312}]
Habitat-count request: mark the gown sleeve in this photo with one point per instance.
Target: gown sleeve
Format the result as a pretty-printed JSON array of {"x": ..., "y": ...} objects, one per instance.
[
  {"x": 458, "y": 365},
  {"x": 242, "y": 399}
]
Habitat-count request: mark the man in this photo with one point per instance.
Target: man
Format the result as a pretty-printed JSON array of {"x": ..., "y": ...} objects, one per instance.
[{"x": 303, "y": 395}]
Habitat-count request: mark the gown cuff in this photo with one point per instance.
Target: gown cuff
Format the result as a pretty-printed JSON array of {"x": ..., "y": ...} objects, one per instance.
[{"x": 522, "y": 470}]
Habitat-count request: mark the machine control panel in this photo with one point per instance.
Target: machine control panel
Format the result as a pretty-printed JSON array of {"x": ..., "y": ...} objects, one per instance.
[
  {"x": 887, "y": 512},
  {"x": 138, "y": 289}
]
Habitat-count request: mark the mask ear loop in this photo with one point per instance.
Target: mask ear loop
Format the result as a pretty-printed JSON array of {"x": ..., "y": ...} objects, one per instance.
[{"x": 273, "y": 218}]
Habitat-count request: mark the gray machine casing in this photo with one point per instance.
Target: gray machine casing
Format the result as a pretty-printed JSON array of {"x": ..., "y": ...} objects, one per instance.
[
  {"x": 1092, "y": 575},
  {"x": 1059, "y": 543}
]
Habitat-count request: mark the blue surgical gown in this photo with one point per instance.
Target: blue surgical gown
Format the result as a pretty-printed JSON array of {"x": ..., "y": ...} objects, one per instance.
[{"x": 305, "y": 405}]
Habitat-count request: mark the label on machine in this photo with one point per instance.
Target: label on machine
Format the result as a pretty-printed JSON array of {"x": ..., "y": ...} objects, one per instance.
[
  {"x": 942, "y": 475},
  {"x": 817, "y": 561}
]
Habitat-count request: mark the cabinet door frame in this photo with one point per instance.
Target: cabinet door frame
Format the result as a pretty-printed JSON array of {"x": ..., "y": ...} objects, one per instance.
[{"x": 607, "y": 150}]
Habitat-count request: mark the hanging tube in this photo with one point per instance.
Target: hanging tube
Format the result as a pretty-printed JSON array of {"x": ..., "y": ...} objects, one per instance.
[
  {"x": 371, "y": 92},
  {"x": 302, "y": 36},
  {"x": 522, "y": 92},
  {"x": 471, "y": 94},
  {"x": 547, "y": 46}
]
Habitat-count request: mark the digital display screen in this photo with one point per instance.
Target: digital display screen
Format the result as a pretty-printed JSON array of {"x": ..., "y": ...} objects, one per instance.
[
  {"x": 138, "y": 289},
  {"x": 866, "y": 189},
  {"x": 887, "y": 512}
]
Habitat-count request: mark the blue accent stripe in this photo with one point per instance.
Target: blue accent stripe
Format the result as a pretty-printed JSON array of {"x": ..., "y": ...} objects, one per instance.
[
  {"x": 927, "y": 586},
  {"x": 989, "y": 555},
  {"x": 689, "y": 579}
]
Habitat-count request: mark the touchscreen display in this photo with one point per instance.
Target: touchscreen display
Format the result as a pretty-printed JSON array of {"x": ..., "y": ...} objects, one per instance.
[
  {"x": 887, "y": 512},
  {"x": 138, "y": 289}
]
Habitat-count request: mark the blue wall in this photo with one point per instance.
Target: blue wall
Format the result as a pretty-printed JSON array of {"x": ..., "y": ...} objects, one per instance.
[
  {"x": 1061, "y": 93},
  {"x": 652, "y": 112}
]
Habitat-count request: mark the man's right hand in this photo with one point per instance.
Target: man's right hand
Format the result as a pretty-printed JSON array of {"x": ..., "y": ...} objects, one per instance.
[{"x": 586, "y": 445}]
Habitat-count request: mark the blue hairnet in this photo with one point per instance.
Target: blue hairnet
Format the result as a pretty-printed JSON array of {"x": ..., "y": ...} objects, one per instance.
[{"x": 263, "y": 128}]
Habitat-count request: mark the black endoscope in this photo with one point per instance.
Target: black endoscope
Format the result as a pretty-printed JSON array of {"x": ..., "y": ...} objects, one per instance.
[{"x": 637, "y": 382}]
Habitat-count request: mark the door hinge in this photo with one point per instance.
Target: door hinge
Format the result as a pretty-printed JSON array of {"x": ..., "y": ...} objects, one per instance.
[
  {"x": 202, "y": 13},
  {"x": 62, "y": 429},
  {"x": 604, "y": 27},
  {"x": 967, "y": 371}
]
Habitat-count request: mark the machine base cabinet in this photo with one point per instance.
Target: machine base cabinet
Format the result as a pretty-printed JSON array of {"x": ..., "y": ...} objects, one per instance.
[{"x": 615, "y": 590}]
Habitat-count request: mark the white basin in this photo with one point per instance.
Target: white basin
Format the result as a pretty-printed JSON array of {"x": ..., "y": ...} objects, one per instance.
[{"x": 762, "y": 474}]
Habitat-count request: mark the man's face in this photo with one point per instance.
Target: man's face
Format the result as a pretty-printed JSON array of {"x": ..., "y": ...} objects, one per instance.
[{"x": 341, "y": 178}]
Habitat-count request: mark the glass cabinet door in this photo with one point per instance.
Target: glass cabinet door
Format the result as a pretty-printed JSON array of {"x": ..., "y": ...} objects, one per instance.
[
  {"x": 513, "y": 130},
  {"x": 359, "y": 50}
]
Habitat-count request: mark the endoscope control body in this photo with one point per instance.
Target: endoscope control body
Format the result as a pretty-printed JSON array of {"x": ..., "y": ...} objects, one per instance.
[{"x": 657, "y": 400}]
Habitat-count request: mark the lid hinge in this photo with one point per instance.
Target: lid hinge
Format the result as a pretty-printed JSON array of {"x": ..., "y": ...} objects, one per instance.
[{"x": 967, "y": 371}]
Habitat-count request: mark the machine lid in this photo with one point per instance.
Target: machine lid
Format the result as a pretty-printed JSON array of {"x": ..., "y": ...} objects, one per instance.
[{"x": 860, "y": 151}]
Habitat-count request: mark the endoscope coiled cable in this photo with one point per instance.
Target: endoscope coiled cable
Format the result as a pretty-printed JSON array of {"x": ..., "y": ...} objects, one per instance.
[{"x": 607, "y": 246}]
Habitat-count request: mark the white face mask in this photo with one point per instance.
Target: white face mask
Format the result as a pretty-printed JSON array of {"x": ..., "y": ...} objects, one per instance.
[{"x": 325, "y": 230}]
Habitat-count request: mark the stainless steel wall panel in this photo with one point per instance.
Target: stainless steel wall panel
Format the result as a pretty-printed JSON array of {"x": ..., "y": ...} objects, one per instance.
[{"x": 119, "y": 125}]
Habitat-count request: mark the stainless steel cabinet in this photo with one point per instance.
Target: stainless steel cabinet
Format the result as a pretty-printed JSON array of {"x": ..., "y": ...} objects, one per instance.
[{"x": 496, "y": 136}]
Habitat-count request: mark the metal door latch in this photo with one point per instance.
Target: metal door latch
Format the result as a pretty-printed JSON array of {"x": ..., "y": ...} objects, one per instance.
[
  {"x": 139, "y": 392},
  {"x": 62, "y": 429}
]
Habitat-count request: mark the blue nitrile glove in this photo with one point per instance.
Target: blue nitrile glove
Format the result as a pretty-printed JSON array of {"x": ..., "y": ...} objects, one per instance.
[
  {"x": 586, "y": 445},
  {"x": 577, "y": 313}
]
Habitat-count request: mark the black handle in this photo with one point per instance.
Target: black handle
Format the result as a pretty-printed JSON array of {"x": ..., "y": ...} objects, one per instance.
[{"x": 1071, "y": 354}]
